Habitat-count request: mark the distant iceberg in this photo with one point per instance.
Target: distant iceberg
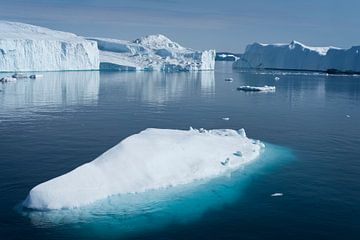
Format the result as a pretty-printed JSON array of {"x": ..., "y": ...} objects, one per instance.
[
  {"x": 152, "y": 53},
  {"x": 25, "y": 47},
  {"x": 297, "y": 56},
  {"x": 152, "y": 159}
]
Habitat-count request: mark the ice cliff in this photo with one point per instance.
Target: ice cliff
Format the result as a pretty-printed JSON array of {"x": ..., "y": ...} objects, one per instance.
[
  {"x": 297, "y": 56},
  {"x": 153, "y": 52},
  {"x": 25, "y": 47},
  {"x": 152, "y": 159}
]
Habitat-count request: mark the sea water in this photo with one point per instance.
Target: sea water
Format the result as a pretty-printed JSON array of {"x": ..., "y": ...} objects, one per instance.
[{"x": 310, "y": 125}]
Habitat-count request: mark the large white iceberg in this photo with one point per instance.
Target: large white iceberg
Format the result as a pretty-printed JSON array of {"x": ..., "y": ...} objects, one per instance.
[
  {"x": 153, "y": 52},
  {"x": 152, "y": 159},
  {"x": 25, "y": 47},
  {"x": 297, "y": 56}
]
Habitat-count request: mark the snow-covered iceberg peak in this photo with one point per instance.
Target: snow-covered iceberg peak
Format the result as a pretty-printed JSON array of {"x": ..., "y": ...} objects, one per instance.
[
  {"x": 298, "y": 56},
  {"x": 153, "y": 52},
  {"x": 158, "y": 41},
  {"x": 25, "y": 47},
  {"x": 320, "y": 50},
  {"x": 152, "y": 159}
]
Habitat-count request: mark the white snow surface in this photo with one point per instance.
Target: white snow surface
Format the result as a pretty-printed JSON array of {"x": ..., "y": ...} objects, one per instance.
[
  {"x": 25, "y": 47},
  {"x": 152, "y": 53},
  {"x": 151, "y": 159},
  {"x": 297, "y": 56}
]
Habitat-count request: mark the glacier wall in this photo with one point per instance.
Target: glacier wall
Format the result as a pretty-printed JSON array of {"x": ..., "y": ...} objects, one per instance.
[
  {"x": 24, "y": 47},
  {"x": 297, "y": 56}
]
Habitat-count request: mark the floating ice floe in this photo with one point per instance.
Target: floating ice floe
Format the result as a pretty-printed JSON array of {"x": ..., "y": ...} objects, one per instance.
[
  {"x": 19, "y": 75},
  {"x": 34, "y": 76},
  {"x": 7, "y": 79},
  {"x": 276, "y": 78},
  {"x": 348, "y": 116},
  {"x": 225, "y": 118},
  {"x": 151, "y": 159},
  {"x": 277, "y": 195},
  {"x": 257, "y": 89}
]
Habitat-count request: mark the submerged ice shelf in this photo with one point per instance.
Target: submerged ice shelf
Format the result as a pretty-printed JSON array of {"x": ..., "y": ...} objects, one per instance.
[
  {"x": 152, "y": 159},
  {"x": 118, "y": 215}
]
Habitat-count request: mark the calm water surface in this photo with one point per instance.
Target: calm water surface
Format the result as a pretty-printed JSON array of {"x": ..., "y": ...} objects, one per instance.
[{"x": 50, "y": 126}]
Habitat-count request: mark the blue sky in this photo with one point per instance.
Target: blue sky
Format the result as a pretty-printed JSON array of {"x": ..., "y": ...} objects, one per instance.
[{"x": 222, "y": 24}]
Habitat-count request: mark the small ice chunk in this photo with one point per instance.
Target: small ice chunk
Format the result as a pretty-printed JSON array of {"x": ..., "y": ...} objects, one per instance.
[
  {"x": 347, "y": 116},
  {"x": 7, "y": 79},
  {"x": 19, "y": 75},
  {"x": 277, "y": 78},
  {"x": 257, "y": 89},
  {"x": 226, "y": 118},
  {"x": 34, "y": 76},
  {"x": 278, "y": 194}
]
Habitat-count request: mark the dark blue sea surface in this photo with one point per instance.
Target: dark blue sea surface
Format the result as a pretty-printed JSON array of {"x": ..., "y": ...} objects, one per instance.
[{"x": 311, "y": 127}]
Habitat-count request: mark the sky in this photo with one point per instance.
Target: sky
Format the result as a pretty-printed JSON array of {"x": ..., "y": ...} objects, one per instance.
[{"x": 224, "y": 25}]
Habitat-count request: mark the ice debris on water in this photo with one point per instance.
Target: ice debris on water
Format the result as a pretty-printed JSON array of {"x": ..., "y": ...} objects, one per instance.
[
  {"x": 7, "y": 79},
  {"x": 34, "y": 76},
  {"x": 257, "y": 89}
]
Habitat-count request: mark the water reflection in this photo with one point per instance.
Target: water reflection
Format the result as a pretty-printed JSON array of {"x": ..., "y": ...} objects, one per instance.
[
  {"x": 158, "y": 87},
  {"x": 55, "y": 89}
]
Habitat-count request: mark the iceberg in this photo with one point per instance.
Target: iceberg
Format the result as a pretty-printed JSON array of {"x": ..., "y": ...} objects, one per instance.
[
  {"x": 297, "y": 56},
  {"x": 152, "y": 53},
  {"x": 25, "y": 47},
  {"x": 149, "y": 160}
]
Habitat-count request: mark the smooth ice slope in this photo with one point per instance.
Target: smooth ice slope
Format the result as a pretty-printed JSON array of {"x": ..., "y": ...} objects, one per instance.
[
  {"x": 154, "y": 52},
  {"x": 152, "y": 159},
  {"x": 297, "y": 56},
  {"x": 25, "y": 47}
]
